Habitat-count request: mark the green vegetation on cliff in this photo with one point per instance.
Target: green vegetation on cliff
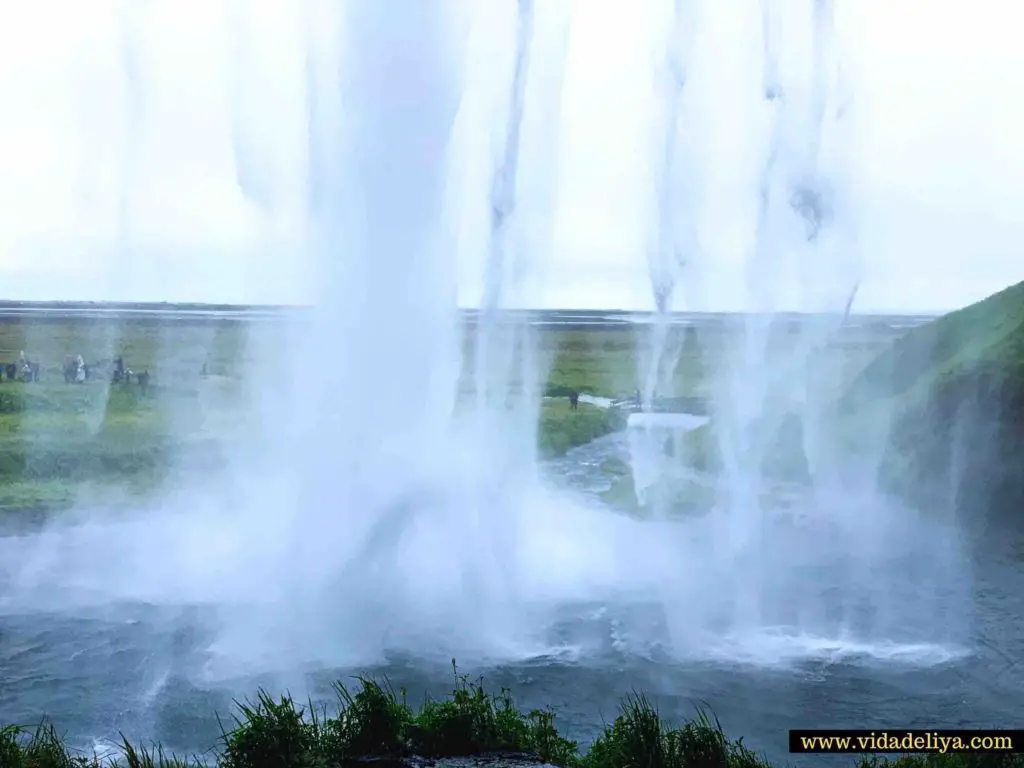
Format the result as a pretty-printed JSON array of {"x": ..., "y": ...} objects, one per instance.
[
  {"x": 947, "y": 402},
  {"x": 942, "y": 405},
  {"x": 982, "y": 337}
]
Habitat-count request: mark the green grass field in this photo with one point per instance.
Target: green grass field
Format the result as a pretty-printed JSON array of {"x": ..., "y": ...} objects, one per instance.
[{"x": 60, "y": 442}]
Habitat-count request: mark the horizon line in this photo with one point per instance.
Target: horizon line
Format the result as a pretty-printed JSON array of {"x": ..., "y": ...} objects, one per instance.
[{"x": 231, "y": 306}]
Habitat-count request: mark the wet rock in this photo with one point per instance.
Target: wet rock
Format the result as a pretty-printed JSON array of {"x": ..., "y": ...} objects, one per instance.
[
  {"x": 680, "y": 498},
  {"x": 490, "y": 760},
  {"x": 615, "y": 467},
  {"x": 498, "y": 760}
]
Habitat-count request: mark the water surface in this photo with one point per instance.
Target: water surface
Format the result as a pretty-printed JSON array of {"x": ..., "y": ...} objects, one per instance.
[{"x": 152, "y": 672}]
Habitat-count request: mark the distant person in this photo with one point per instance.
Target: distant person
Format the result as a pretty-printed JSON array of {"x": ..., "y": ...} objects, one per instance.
[
  {"x": 143, "y": 379},
  {"x": 118, "y": 369},
  {"x": 25, "y": 366},
  {"x": 68, "y": 369},
  {"x": 638, "y": 401},
  {"x": 79, "y": 370},
  {"x": 574, "y": 400}
]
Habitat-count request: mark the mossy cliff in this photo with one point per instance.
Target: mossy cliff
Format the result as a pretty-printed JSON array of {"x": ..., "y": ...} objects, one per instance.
[{"x": 948, "y": 399}]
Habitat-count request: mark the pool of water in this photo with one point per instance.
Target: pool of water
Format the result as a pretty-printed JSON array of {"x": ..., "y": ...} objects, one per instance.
[{"x": 153, "y": 671}]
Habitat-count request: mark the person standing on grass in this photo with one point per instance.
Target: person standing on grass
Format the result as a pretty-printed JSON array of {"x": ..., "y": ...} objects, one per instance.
[
  {"x": 574, "y": 400},
  {"x": 79, "y": 370},
  {"x": 25, "y": 366}
]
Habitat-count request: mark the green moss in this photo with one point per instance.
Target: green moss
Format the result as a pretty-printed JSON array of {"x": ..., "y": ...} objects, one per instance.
[
  {"x": 946, "y": 401},
  {"x": 989, "y": 332}
]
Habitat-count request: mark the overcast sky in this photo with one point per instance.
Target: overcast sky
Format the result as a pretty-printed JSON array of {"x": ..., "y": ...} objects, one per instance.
[{"x": 157, "y": 149}]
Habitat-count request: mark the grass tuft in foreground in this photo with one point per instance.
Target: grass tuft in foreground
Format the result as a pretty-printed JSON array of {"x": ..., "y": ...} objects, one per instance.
[
  {"x": 639, "y": 737},
  {"x": 376, "y": 723}
]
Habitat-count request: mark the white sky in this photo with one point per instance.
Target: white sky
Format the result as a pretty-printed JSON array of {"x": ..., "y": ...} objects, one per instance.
[{"x": 117, "y": 187}]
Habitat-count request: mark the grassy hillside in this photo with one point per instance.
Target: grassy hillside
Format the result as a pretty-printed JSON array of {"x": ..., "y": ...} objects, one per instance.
[
  {"x": 950, "y": 397},
  {"x": 988, "y": 335},
  {"x": 941, "y": 405}
]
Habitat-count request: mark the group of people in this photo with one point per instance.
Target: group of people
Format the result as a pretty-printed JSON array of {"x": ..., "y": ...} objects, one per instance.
[
  {"x": 26, "y": 369},
  {"x": 75, "y": 369}
]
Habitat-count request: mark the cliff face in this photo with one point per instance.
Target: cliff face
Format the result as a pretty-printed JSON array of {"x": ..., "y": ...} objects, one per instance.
[{"x": 949, "y": 398}]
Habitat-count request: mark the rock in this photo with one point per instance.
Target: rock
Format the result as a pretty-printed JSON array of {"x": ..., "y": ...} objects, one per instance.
[
  {"x": 615, "y": 467},
  {"x": 678, "y": 498},
  {"x": 490, "y": 760},
  {"x": 499, "y": 760}
]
